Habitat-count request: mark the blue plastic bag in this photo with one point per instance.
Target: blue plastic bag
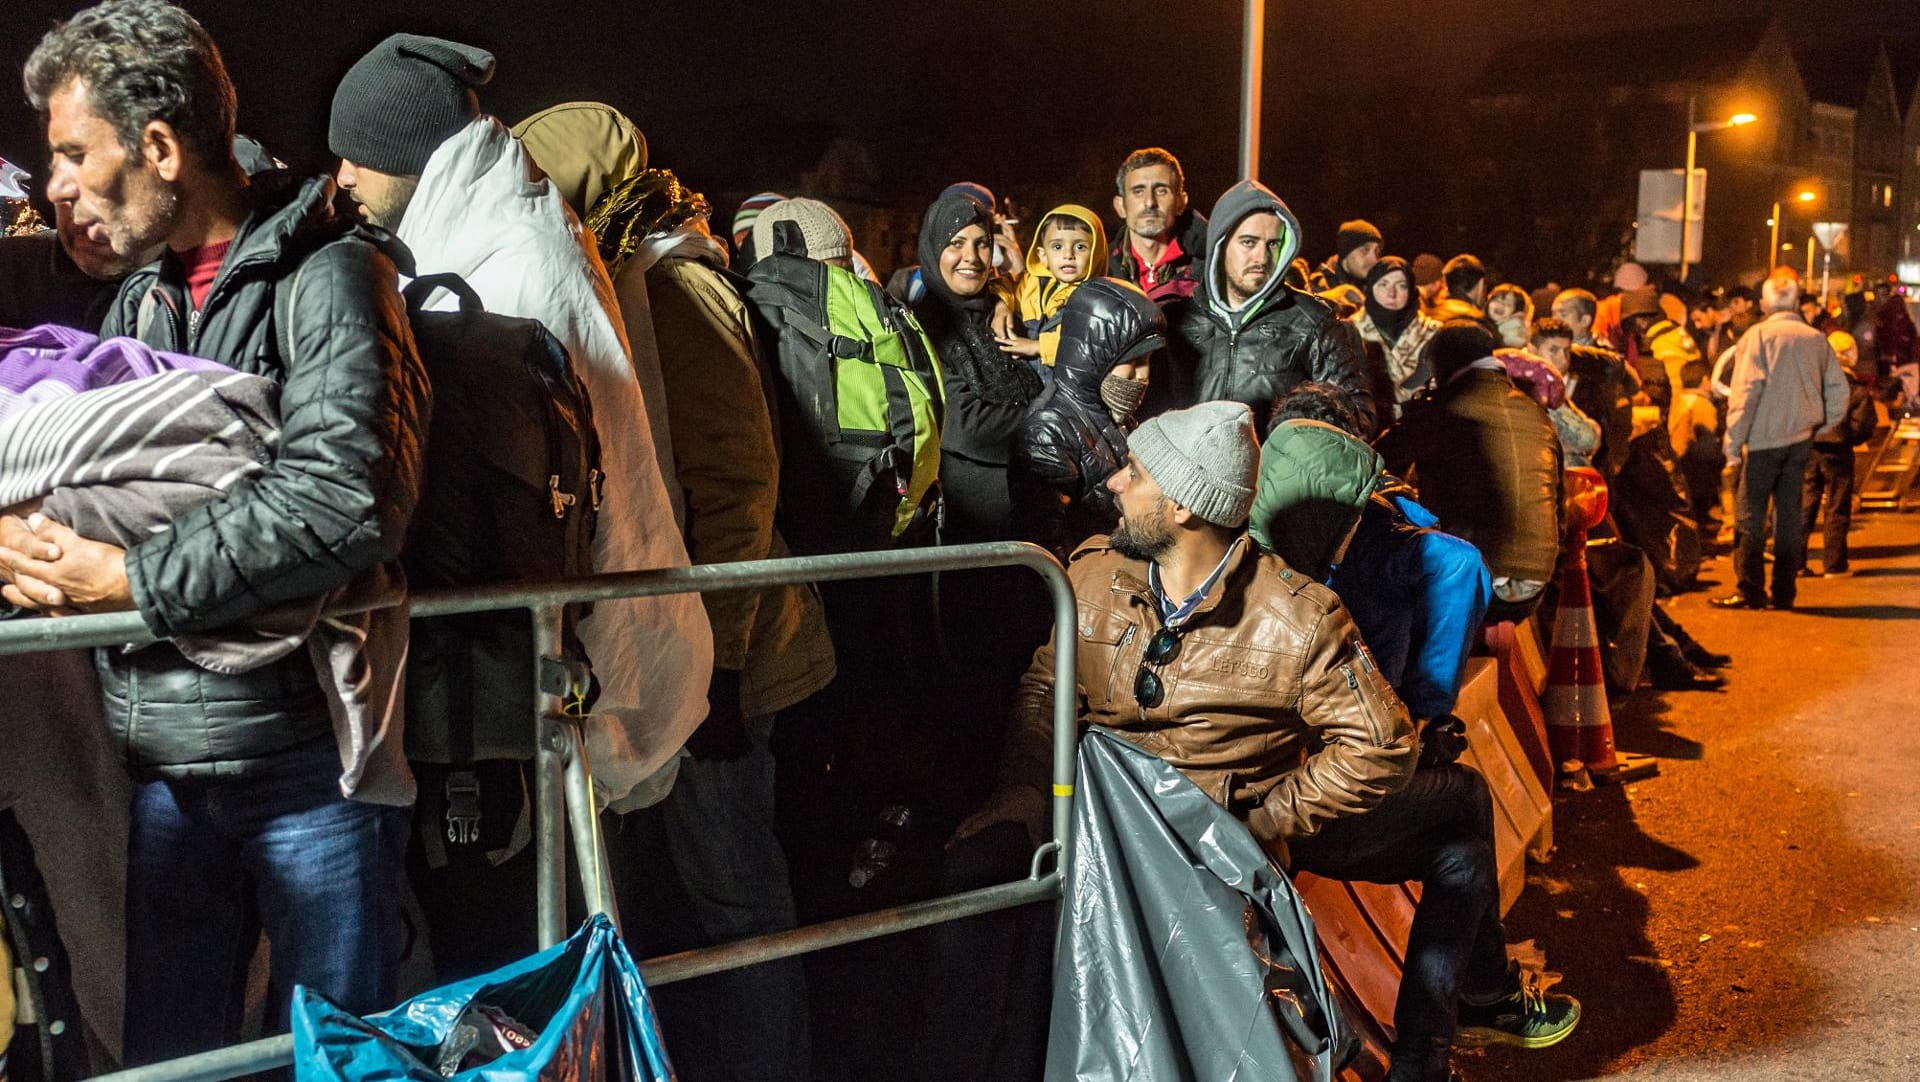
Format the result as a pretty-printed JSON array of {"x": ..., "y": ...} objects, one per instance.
[{"x": 584, "y": 998}]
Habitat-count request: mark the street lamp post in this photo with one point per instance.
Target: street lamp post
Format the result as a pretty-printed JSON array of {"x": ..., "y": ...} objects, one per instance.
[
  {"x": 1773, "y": 245},
  {"x": 1694, "y": 128},
  {"x": 1253, "y": 44}
]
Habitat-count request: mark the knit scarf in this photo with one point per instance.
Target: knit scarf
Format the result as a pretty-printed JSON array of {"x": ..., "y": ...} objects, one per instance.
[{"x": 649, "y": 202}]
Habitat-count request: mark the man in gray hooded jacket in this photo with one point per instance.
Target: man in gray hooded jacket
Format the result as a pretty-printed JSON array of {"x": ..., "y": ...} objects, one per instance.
[{"x": 1245, "y": 335}]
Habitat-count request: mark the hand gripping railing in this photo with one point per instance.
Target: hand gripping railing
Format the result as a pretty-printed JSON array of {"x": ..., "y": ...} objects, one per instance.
[{"x": 563, "y": 790}]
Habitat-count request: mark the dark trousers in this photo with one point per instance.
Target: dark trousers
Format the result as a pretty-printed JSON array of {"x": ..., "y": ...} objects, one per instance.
[
  {"x": 212, "y": 862},
  {"x": 1773, "y": 477},
  {"x": 1830, "y": 475},
  {"x": 1437, "y": 831}
]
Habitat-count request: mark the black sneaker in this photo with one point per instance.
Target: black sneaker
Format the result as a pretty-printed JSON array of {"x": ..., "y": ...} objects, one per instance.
[{"x": 1525, "y": 1019}]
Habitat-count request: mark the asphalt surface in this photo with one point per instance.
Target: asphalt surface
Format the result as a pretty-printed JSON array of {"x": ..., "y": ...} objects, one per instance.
[{"x": 1751, "y": 913}]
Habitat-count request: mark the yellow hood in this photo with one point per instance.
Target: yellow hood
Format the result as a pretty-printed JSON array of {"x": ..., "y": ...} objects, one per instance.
[
  {"x": 585, "y": 148},
  {"x": 1096, "y": 267}
]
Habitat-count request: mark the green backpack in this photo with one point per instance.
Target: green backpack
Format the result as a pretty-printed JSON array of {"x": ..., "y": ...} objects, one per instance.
[{"x": 861, "y": 404}]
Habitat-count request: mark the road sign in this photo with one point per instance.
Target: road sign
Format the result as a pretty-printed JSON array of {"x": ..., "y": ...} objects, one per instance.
[
  {"x": 1829, "y": 233},
  {"x": 1658, "y": 240}
]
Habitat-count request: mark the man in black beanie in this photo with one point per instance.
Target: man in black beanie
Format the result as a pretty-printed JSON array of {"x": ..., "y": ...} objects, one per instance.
[
  {"x": 1356, "y": 248},
  {"x": 393, "y": 109}
]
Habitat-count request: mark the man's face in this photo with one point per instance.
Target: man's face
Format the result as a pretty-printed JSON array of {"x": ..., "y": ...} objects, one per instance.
[
  {"x": 107, "y": 196},
  {"x": 1146, "y": 530},
  {"x": 1738, "y": 306},
  {"x": 1361, "y": 260},
  {"x": 1556, "y": 351},
  {"x": 1569, "y": 312},
  {"x": 1068, "y": 254},
  {"x": 1704, "y": 318},
  {"x": 381, "y": 198},
  {"x": 1149, "y": 200},
  {"x": 1250, "y": 254},
  {"x": 95, "y": 258}
]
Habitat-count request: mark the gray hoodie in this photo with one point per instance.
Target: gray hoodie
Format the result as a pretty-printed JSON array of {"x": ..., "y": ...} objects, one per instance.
[{"x": 1245, "y": 198}]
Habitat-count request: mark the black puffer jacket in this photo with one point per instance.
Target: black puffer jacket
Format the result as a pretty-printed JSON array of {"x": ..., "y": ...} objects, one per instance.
[
  {"x": 1070, "y": 444},
  {"x": 1276, "y": 340},
  {"x": 354, "y": 406}
]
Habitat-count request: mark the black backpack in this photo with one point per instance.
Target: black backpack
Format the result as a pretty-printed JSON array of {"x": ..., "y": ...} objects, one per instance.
[{"x": 511, "y": 492}]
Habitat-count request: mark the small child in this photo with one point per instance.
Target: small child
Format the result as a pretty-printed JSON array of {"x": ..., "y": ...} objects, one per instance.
[{"x": 1070, "y": 248}]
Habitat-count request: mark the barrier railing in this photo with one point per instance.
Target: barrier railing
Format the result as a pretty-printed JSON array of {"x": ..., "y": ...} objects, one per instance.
[{"x": 563, "y": 794}]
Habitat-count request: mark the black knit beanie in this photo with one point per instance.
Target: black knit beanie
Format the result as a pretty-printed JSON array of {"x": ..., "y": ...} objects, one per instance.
[
  {"x": 398, "y": 103},
  {"x": 1354, "y": 234}
]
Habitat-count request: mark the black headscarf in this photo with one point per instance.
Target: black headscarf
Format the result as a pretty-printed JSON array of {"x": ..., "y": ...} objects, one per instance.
[
  {"x": 1391, "y": 324},
  {"x": 959, "y": 325}
]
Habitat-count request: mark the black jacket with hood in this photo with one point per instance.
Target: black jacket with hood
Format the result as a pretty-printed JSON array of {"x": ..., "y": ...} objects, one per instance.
[
  {"x": 988, "y": 391},
  {"x": 1189, "y": 229},
  {"x": 1070, "y": 443},
  {"x": 337, "y": 500},
  {"x": 1260, "y": 350}
]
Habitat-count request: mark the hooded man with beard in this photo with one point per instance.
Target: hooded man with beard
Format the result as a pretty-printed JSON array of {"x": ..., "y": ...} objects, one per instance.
[{"x": 1246, "y": 336}]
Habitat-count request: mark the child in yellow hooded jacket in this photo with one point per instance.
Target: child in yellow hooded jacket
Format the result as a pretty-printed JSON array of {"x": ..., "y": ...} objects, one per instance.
[{"x": 1070, "y": 248}]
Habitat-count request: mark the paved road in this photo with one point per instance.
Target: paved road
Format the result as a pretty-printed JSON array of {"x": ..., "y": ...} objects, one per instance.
[{"x": 1752, "y": 913}]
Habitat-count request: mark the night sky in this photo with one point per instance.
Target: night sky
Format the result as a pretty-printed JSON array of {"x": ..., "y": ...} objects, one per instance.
[{"x": 737, "y": 96}]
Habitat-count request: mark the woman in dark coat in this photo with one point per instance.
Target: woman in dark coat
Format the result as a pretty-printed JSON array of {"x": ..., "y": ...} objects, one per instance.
[{"x": 988, "y": 391}]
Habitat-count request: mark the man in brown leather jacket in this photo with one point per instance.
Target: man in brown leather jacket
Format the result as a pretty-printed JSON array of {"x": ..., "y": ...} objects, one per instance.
[{"x": 1250, "y": 678}]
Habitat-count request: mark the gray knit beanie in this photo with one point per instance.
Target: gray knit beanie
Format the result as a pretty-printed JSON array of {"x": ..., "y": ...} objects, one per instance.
[
  {"x": 1206, "y": 459},
  {"x": 824, "y": 231},
  {"x": 398, "y": 103}
]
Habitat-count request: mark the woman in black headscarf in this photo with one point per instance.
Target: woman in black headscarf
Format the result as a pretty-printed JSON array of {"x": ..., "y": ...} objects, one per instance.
[
  {"x": 988, "y": 391},
  {"x": 1395, "y": 332}
]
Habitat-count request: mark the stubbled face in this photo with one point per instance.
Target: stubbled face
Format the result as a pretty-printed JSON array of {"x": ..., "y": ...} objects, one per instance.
[
  {"x": 1251, "y": 255},
  {"x": 1146, "y": 530},
  {"x": 1556, "y": 351},
  {"x": 1150, "y": 199},
  {"x": 381, "y": 198},
  {"x": 107, "y": 196},
  {"x": 1570, "y": 314},
  {"x": 1391, "y": 291},
  {"x": 967, "y": 260},
  {"x": 1360, "y": 261},
  {"x": 1068, "y": 254},
  {"x": 95, "y": 258}
]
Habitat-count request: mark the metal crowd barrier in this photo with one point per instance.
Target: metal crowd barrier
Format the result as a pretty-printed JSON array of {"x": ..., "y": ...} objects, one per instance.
[{"x": 564, "y": 779}]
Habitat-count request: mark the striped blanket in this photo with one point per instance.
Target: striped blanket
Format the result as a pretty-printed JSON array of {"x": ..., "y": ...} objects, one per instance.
[{"x": 115, "y": 440}]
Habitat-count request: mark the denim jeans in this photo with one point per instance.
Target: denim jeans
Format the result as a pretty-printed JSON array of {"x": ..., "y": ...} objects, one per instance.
[
  {"x": 212, "y": 862},
  {"x": 1438, "y": 831},
  {"x": 719, "y": 830},
  {"x": 1775, "y": 475}
]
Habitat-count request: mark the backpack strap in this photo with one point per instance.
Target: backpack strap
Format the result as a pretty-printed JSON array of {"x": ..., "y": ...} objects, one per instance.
[{"x": 421, "y": 288}]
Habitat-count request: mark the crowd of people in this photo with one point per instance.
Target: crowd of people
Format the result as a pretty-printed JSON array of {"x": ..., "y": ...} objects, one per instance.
[{"x": 1290, "y": 497}]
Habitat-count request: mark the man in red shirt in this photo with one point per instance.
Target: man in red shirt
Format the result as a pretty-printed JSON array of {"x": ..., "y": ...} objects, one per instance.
[{"x": 1162, "y": 235}]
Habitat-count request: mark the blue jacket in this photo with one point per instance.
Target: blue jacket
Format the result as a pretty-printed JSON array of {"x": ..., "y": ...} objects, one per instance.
[{"x": 1418, "y": 596}]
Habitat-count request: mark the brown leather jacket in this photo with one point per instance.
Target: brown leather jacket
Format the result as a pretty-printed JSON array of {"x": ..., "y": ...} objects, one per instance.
[{"x": 1274, "y": 706}]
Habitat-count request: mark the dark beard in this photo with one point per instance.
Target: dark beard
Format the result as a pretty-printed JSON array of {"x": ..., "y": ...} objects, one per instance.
[{"x": 1135, "y": 543}]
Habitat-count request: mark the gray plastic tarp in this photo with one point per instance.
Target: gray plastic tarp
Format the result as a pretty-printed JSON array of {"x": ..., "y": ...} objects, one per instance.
[{"x": 1184, "y": 953}]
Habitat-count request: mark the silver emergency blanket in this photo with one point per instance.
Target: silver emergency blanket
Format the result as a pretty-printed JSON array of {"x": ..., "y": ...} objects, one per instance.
[{"x": 1185, "y": 953}]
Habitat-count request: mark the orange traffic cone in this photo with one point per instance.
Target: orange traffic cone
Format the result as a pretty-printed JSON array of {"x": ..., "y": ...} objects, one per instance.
[{"x": 1579, "y": 725}]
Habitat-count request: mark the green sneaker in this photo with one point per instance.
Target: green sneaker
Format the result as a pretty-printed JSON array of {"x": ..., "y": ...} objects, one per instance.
[{"x": 1526, "y": 1019}]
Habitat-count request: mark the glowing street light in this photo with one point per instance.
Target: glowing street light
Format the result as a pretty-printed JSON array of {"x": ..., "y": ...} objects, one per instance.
[{"x": 1694, "y": 128}]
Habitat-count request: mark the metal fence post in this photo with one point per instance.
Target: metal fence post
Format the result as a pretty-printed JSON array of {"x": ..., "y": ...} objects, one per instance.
[{"x": 549, "y": 818}]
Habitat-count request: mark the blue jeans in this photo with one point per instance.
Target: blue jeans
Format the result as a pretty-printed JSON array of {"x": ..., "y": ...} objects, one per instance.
[
  {"x": 719, "y": 829},
  {"x": 211, "y": 863},
  {"x": 1438, "y": 831}
]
